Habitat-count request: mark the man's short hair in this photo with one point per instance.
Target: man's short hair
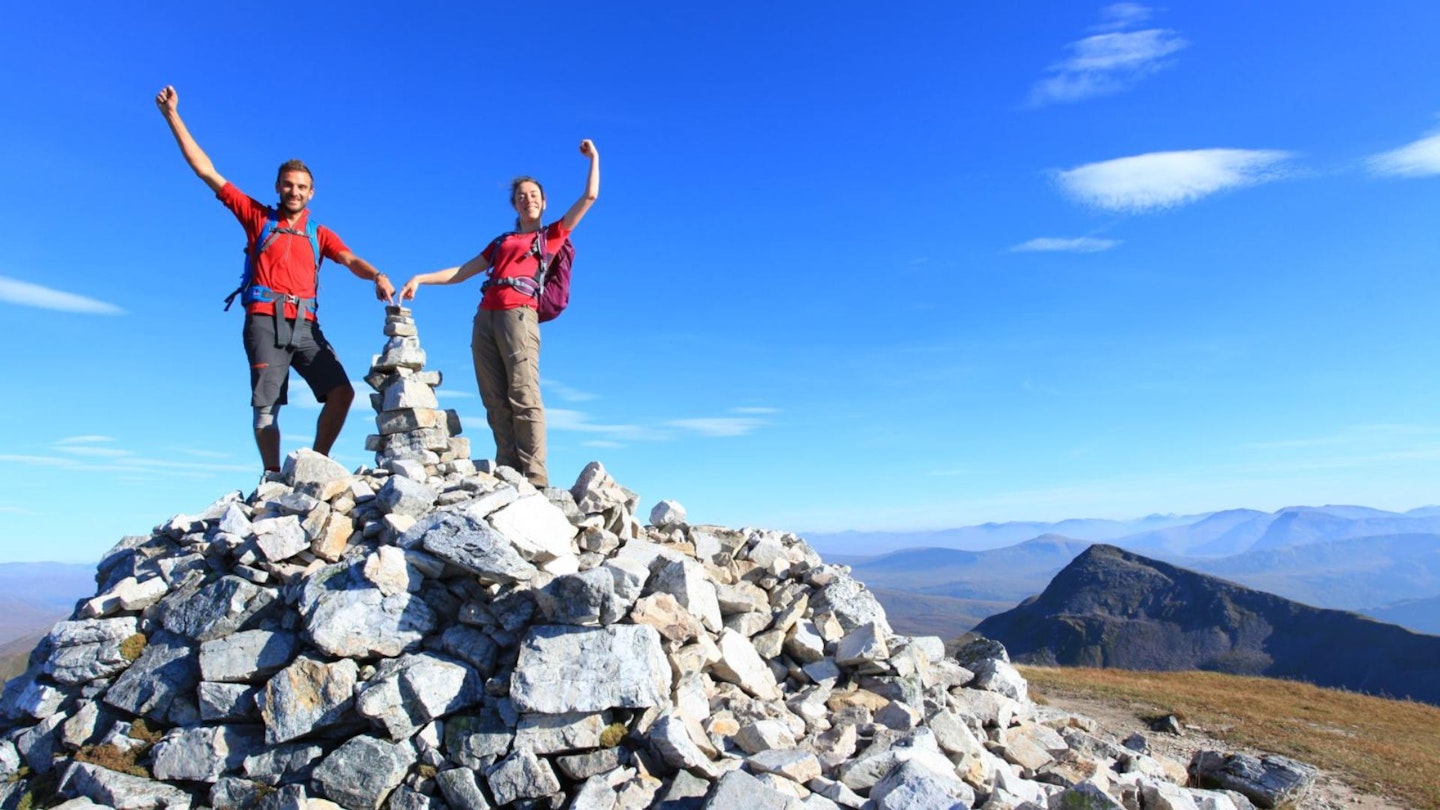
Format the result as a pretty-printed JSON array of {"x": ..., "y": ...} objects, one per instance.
[{"x": 294, "y": 165}]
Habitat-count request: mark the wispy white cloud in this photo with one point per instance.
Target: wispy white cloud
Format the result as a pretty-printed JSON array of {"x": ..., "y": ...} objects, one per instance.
[
  {"x": 93, "y": 451},
  {"x": 718, "y": 425},
  {"x": 1416, "y": 159},
  {"x": 95, "y": 454},
  {"x": 616, "y": 434},
  {"x": 447, "y": 393},
  {"x": 1159, "y": 180},
  {"x": 566, "y": 392},
  {"x": 89, "y": 439},
  {"x": 1111, "y": 61},
  {"x": 1082, "y": 244},
  {"x": 1118, "y": 16},
  {"x": 579, "y": 421},
  {"x": 15, "y": 291},
  {"x": 14, "y": 510},
  {"x": 604, "y": 444}
]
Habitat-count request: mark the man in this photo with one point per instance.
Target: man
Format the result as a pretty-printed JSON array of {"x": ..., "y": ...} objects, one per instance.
[{"x": 278, "y": 291}]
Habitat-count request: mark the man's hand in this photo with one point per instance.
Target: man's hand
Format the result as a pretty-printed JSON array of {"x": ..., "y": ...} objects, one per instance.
[
  {"x": 587, "y": 148},
  {"x": 384, "y": 290},
  {"x": 168, "y": 101}
]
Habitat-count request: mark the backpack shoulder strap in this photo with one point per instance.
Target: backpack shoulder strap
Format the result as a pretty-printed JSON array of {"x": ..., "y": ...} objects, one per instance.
[{"x": 253, "y": 251}]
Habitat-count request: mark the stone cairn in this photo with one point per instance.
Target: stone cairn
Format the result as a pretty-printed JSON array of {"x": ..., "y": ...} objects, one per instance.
[
  {"x": 418, "y": 636},
  {"x": 412, "y": 428}
]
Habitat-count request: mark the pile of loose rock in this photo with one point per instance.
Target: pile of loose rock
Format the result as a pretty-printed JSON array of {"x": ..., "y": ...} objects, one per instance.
[
  {"x": 376, "y": 640},
  {"x": 424, "y": 634}
]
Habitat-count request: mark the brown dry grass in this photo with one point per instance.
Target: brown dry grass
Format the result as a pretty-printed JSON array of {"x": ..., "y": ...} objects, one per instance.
[{"x": 1375, "y": 745}]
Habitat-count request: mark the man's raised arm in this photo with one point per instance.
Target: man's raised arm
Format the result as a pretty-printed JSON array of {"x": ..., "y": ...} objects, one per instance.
[{"x": 169, "y": 103}]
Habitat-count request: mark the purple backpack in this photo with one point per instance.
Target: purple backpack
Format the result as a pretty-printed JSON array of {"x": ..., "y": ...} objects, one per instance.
[{"x": 551, "y": 285}]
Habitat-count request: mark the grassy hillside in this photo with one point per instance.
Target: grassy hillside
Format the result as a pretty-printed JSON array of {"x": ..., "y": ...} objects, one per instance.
[
  {"x": 1376, "y": 745},
  {"x": 14, "y": 654}
]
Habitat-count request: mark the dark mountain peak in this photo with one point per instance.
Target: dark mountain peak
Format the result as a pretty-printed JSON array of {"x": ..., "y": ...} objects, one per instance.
[{"x": 1114, "y": 608}]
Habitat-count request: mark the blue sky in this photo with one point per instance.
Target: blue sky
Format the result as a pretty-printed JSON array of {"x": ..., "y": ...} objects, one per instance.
[{"x": 851, "y": 266}]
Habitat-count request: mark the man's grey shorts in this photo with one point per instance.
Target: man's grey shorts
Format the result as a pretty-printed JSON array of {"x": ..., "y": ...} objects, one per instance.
[{"x": 310, "y": 354}]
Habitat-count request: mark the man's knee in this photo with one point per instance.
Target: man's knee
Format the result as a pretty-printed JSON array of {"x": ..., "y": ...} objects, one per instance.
[
  {"x": 340, "y": 396},
  {"x": 267, "y": 417}
]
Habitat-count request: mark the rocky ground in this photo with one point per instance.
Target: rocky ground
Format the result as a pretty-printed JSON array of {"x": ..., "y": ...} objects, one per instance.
[{"x": 1117, "y": 720}]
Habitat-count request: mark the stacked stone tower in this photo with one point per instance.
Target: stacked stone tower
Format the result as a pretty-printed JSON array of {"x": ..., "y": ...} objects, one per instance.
[{"x": 412, "y": 429}]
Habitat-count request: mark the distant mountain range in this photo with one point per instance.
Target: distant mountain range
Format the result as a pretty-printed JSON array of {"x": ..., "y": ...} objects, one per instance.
[
  {"x": 1345, "y": 557},
  {"x": 1113, "y": 608},
  {"x": 33, "y": 596}
]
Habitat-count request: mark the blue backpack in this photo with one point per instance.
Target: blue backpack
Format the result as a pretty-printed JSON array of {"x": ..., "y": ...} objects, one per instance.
[{"x": 249, "y": 291}]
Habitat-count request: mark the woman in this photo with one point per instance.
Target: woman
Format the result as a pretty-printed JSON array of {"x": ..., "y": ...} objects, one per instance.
[{"x": 506, "y": 338}]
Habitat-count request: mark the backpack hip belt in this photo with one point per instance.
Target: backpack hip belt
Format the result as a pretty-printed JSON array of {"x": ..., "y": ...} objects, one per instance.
[{"x": 284, "y": 327}]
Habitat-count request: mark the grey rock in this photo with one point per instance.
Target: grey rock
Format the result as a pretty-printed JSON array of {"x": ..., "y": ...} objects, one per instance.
[
  {"x": 472, "y": 545},
  {"x": 595, "y": 491},
  {"x": 9, "y": 759},
  {"x": 1086, "y": 796},
  {"x": 227, "y": 701},
  {"x": 741, "y": 665},
  {"x": 120, "y": 791},
  {"x": 280, "y": 538},
  {"x": 1268, "y": 781},
  {"x": 996, "y": 675},
  {"x": 247, "y": 656},
  {"x": 36, "y": 698},
  {"x": 676, "y": 747},
  {"x": 471, "y": 646},
  {"x": 667, "y": 514},
  {"x": 981, "y": 649},
  {"x": 203, "y": 753},
  {"x": 363, "y": 771},
  {"x": 406, "y": 497},
  {"x": 38, "y": 744},
  {"x": 461, "y": 789},
  {"x": 167, "y": 670},
  {"x": 738, "y": 790},
  {"x": 536, "y": 527},
  {"x": 587, "y": 598},
  {"x": 408, "y": 392},
  {"x": 312, "y": 472},
  {"x": 575, "y": 669},
  {"x": 521, "y": 775},
  {"x": 478, "y": 740},
  {"x": 347, "y": 616},
  {"x": 307, "y": 696},
  {"x": 290, "y": 762},
  {"x": 794, "y": 764},
  {"x": 560, "y": 733},
  {"x": 692, "y": 588},
  {"x": 409, "y": 692},
  {"x": 862, "y": 646},
  {"x": 407, "y": 798},
  {"x": 578, "y": 767},
  {"x": 911, "y": 785},
  {"x": 214, "y": 610}
]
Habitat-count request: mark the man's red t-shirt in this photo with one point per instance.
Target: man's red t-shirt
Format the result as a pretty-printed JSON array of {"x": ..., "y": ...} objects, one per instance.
[
  {"x": 288, "y": 265},
  {"x": 512, "y": 258}
]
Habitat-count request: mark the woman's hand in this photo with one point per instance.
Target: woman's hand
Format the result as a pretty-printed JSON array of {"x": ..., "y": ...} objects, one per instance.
[{"x": 408, "y": 291}]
